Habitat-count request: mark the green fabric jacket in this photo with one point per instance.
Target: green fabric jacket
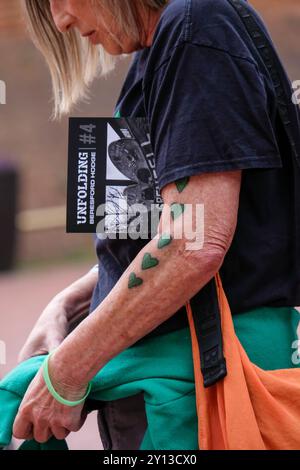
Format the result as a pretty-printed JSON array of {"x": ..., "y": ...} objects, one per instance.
[
  {"x": 12, "y": 390},
  {"x": 160, "y": 367}
]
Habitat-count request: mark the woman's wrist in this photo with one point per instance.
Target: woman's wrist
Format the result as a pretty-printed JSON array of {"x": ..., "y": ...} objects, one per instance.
[{"x": 62, "y": 381}]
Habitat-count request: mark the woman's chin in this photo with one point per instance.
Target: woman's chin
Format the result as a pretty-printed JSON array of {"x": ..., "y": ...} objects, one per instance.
[{"x": 113, "y": 48}]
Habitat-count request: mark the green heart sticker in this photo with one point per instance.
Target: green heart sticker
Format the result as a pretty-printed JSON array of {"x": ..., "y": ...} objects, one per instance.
[
  {"x": 176, "y": 210},
  {"x": 149, "y": 261},
  {"x": 181, "y": 184},
  {"x": 134, "y": 281},
  {"x": 164, "y": 240}
]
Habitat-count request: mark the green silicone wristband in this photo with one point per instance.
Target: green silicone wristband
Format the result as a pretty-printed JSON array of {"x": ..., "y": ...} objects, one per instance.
[{"x": 54, "y": 393}]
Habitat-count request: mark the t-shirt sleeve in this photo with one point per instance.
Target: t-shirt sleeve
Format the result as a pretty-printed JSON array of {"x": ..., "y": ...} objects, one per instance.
[{"x": 208, "y": 112}]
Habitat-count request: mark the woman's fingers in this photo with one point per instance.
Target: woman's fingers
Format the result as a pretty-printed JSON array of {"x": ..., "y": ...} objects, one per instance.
[
  {"x": 59, "y": 432},
  {"x": 41, "y": 433},
  {"x": 22, "y": 428},
  {"x": 42, "y": 416}
]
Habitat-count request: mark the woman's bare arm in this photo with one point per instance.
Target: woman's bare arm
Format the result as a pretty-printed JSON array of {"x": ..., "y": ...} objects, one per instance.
[{"x": 156, "y": 284}]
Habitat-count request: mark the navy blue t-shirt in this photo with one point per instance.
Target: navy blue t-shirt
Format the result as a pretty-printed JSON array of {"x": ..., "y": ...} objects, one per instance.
[{"x": 211, "y": 107}]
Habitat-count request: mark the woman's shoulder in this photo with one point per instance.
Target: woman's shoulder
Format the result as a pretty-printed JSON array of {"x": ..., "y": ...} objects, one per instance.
[
  {"x": 209, "y": 23},
  {"x": 175, "y": 8},
  {"x": 186, "y": 18}
]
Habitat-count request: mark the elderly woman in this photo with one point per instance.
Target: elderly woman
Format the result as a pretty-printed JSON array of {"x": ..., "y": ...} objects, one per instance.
[{"x": 211, "y": 107}]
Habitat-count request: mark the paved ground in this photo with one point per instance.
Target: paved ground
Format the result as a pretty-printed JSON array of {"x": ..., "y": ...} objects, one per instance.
[{"x": 23, "y": 296}]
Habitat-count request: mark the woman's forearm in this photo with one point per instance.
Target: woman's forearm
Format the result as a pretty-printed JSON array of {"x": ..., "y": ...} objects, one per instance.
[
  {"x": 162, "y": 277},
  {"x": 160, "y": 285}
]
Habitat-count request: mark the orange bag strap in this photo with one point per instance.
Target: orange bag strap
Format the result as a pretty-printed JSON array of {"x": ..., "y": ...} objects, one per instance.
[{"x": 194, "y": 315}]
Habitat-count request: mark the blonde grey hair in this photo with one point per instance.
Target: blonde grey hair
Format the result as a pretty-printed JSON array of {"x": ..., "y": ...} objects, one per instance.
[{"x": 73, "y": 62}]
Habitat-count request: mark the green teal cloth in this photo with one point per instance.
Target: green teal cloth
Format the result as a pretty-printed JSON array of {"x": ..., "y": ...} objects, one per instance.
[
  {"x": 162, "y": 368},
  {"x": 267, "y": 334}
]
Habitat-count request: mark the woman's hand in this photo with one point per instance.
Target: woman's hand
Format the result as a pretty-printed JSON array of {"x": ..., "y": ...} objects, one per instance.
[
  {"x": 48, "y": 332},
  {"x": 40, "y": 416}
]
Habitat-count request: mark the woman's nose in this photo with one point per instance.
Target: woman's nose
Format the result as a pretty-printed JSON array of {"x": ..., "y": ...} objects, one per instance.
[{"x": 63, "y": 20}]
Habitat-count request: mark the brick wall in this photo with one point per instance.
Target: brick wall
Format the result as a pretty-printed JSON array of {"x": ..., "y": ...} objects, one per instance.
[{"x": 11, "y": 21}]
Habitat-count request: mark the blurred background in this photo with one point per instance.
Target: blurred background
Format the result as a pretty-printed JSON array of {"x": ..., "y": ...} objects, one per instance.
[{"x": 37, "y": 257}]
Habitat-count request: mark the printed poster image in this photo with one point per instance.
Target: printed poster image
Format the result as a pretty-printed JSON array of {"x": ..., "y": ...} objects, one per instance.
[{"x": 125, "y": 171}]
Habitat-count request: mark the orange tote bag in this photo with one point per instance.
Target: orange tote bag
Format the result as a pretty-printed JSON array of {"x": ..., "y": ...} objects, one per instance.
[{"x": 250, "y": 408}]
